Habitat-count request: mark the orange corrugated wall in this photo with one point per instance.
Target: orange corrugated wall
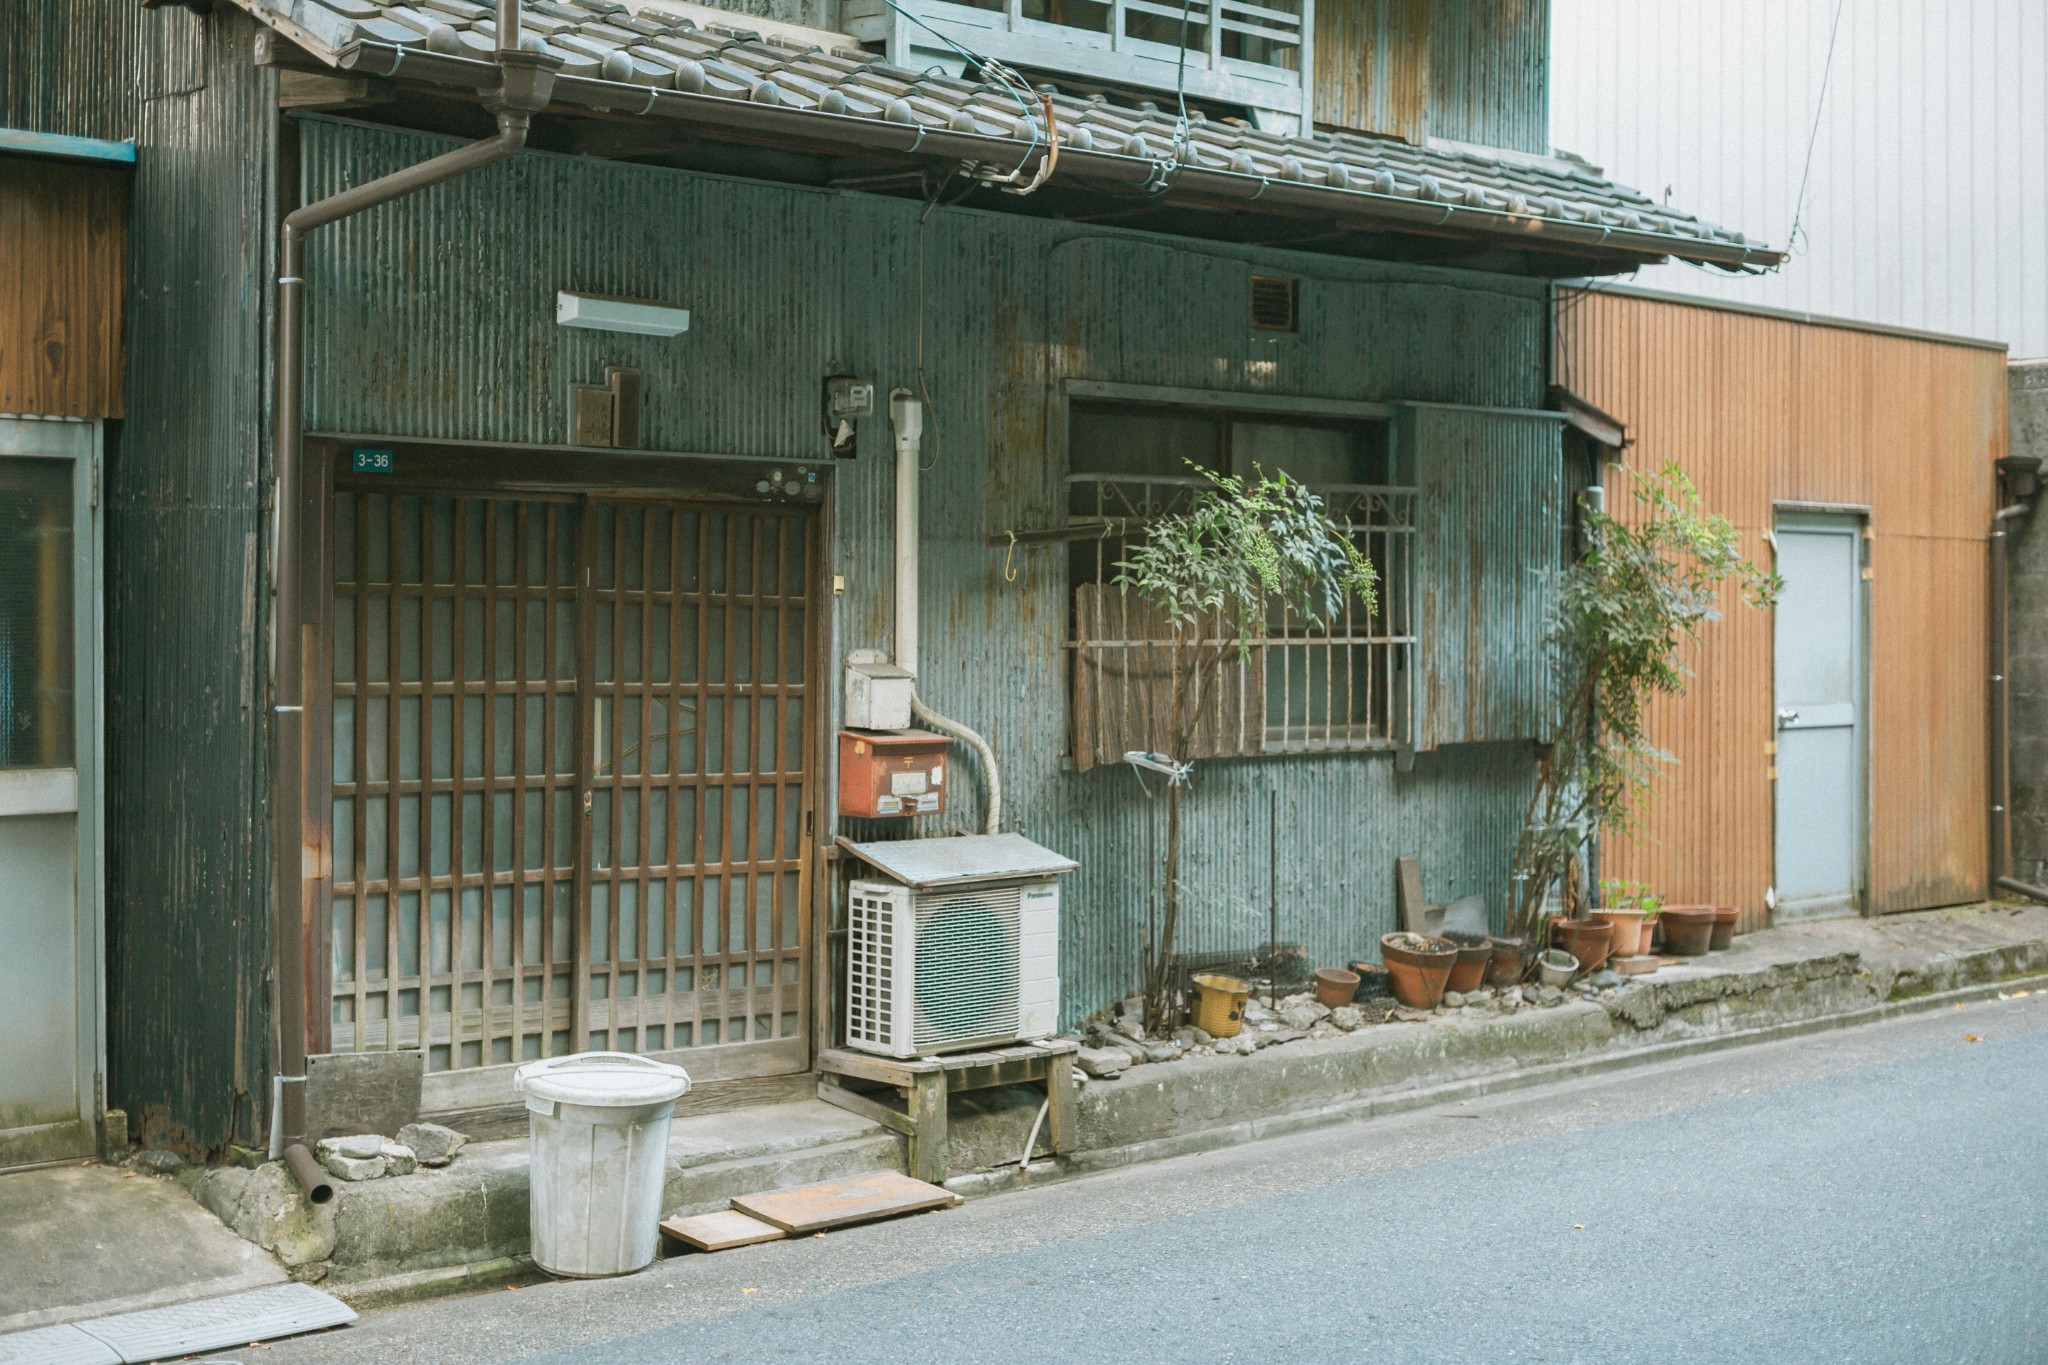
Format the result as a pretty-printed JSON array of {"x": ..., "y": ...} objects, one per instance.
[{"x": 1764, "y": 410}]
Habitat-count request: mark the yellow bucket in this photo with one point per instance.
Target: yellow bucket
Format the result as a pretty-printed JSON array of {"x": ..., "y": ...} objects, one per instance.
[{"x": 1219, "y": 1004}]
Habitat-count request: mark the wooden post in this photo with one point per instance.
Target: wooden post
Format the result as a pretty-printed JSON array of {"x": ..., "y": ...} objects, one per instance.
[
  {"x": 1408, "y": 893},
  {"x": 928, "y": 1151},
  {"x": 1062, "y": 1115}
]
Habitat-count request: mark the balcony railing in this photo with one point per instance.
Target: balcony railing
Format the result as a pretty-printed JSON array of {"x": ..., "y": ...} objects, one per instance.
[{"x": 1234, "y": 51}]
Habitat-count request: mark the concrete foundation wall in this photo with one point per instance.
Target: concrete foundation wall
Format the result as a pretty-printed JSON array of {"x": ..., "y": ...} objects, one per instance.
[{"x": 2029, "y": 436}]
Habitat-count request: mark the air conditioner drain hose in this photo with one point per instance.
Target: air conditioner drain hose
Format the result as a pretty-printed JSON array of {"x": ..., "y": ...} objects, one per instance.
[{"x": 966, "y": 736}]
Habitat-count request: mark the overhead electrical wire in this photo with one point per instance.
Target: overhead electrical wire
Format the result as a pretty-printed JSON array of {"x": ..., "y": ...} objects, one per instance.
[{"x": 1819, "y": 105}]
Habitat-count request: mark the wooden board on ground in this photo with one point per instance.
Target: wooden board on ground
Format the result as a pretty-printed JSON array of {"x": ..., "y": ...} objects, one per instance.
[
  {"x": 836, "y": 1203},
  {"x": 721, "y": 1231}
]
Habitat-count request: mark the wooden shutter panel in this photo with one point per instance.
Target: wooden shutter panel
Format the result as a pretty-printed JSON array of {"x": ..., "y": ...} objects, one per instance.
[{"x": 1488, "y": 508}]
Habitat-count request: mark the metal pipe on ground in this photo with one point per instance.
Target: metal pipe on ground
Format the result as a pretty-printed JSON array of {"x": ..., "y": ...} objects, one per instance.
[{"x": 527, "y": 80}]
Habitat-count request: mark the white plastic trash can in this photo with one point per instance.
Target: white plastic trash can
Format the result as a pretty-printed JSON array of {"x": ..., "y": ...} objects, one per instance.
[{"x": 599, "y": 1149}]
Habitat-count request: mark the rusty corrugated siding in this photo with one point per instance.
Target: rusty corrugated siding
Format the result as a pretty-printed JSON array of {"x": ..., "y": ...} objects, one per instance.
[
  {"x": 63, "y": 274},
  {"x": 1372, "y": 66},
  {"x": 188, "y": 1032},
  {"x": 1761, "y": 410},
  {"x": 434, "y": 317},
  {"x": 1473, "y": 70}
]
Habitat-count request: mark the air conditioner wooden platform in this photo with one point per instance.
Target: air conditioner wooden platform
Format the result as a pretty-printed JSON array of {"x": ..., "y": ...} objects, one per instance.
[{"x": 925, "y": 1082}]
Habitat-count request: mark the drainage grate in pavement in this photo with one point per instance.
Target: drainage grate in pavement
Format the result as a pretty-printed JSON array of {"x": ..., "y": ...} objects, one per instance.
[
  {"x": 181, "y": 1329},
  {"x": 64, "y": 1345}
]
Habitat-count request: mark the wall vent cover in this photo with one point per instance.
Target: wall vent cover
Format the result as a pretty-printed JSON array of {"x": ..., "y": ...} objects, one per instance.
[{"x": 1274, "y": 299}]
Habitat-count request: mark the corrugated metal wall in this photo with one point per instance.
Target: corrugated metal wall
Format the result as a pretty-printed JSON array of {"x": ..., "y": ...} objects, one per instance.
[
  {"x": 188, "y": 855},
  {"x": 1760, "y": 410},
  {"x": 434, "y": 317},
  {"x": 1488, "y": 571},
  {"x": 1473, "y": 70},
  {"x": 1928, "y": 198},
  {"x": 85, "y": 68}
]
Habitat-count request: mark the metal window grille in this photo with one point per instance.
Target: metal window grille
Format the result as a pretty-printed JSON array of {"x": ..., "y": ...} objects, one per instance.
[{"x": 1297, "y": 687}]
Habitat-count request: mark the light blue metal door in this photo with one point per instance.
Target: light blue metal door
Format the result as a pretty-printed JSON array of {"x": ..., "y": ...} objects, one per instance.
[
  {"x": 50, "y": 1036},
  {"x": 1818, "y": 693}
]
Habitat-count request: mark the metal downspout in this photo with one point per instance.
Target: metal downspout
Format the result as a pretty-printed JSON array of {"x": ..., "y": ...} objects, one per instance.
[
  {"x": 2001, "y": 709},
  {"x": 526, "y": 82}
]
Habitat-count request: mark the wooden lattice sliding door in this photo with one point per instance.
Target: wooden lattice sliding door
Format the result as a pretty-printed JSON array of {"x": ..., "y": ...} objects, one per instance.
[
  {"x": 569, "y": 784},
  {"x": 698, "y": 894}
]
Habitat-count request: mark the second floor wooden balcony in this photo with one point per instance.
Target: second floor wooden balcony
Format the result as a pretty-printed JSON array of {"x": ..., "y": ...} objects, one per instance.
[{"x": 1231, "y": 51}]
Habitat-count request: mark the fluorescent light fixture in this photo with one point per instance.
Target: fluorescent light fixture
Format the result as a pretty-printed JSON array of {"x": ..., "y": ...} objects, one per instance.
[{"x": 636, "y": 316}]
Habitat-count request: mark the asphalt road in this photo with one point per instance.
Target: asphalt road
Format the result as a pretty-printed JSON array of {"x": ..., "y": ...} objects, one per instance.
[{"x": 1875, "y": 1194}]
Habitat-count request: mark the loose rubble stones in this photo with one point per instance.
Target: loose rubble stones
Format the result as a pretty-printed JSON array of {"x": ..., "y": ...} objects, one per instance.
[{"x": 431, "y": 1143}]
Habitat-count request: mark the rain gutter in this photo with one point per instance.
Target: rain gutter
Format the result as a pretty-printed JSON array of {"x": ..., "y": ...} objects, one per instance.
[
  {"x": 521, "y": 84},
  {"x": 2022, "y": 477}
]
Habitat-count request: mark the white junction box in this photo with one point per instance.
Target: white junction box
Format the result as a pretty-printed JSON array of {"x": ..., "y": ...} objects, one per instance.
[
  {"x": 877, "y": 694},
  {"x": 954, "y": 945}
]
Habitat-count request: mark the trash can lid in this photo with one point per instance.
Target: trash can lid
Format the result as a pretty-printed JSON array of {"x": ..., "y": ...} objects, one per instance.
[{"x": 620, "y": 1080}]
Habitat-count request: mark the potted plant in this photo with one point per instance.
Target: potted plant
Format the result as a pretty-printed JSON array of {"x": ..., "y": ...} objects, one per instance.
[
  {"x": 1626, "y": 906},
  {"x": 1688, "y": 929},
  {"x": 1628, "y": 610},
  {"x": 1418, "y": 967},
  {"x": 1588, "y": 940},
  {"x": 1475, "y": 954},
  {"x": 1214, "y": 573},
  {"x": 1508, "y": 963}
]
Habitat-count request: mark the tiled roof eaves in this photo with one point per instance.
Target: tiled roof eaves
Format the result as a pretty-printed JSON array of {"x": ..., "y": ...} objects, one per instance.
[{"x": 881, "y": 131}]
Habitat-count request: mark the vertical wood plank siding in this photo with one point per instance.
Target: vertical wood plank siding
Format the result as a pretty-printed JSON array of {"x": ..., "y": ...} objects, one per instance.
[
  {"x": 1760, "y": 411},
  {"x": 63, "y": 267},
  {"x": 1471, "y": 70},
  {"x": 433, "y": 317}
]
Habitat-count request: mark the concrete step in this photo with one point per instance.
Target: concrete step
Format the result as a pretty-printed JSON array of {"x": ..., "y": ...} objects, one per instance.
[{"x": 475, "y": 1210}]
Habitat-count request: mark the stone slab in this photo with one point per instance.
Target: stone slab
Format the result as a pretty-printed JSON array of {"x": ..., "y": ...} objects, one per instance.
[{"x": 363, "y": 1092}]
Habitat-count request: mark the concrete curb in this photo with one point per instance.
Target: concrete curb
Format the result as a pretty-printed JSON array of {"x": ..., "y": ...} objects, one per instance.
[
  {"x": 464, "y": 1229},
  {"x": 1098, "y": 1160}
]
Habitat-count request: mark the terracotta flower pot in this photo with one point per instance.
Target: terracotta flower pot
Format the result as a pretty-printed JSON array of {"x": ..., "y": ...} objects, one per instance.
[
  {"x": 1724, "y": 926},
  {"x": 1475, "y": 952},
  {"x": 1335, "y": 986},
  {"x": 1372, "y": 981},
  {"x": 1418, "y": 967},
  {"x": 1648, "y": 943},
  {"x": 1627, "y": 930},
  {"x": 1688, "y": 929},
  {"x": 1588, "y": 940},
  {"x": 1508, "y": 964}
]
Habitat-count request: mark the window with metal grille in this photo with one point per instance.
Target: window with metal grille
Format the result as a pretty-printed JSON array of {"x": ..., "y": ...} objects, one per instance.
[
  {"x": 1297, "y": 687},
  {"x": 1274, "y": 300}
]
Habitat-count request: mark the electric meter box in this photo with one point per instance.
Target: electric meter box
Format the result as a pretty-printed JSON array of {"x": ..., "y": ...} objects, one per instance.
[
  {"x": 891, "y": 772},
  {"x": 878, "y": 695}
]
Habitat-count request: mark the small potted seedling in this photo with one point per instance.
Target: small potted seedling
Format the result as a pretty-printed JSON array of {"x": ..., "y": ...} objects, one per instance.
[{"x": 1630, "y": 909}]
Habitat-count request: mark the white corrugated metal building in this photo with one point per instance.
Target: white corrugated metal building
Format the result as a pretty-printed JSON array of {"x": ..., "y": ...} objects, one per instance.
[{"x": 1927, "y": 204}]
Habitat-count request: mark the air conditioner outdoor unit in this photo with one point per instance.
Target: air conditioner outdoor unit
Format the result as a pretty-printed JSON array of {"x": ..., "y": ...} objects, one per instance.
[{"x": 953, "y": 945}]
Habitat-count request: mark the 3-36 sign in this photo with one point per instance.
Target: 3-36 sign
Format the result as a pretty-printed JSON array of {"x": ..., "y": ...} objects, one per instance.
[{"x": 369, "y": 461}]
